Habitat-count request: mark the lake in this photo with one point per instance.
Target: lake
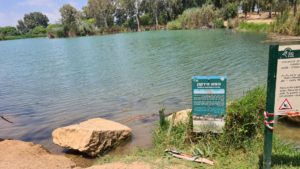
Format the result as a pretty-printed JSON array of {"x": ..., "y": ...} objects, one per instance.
[{"x": 49, "y": 83}]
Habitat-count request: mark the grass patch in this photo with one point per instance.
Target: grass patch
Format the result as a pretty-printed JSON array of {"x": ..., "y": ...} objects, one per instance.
[
  {"x": 21, "y": 37},
  {"x": 254, "y": 27},
  {"x": 240, "y": 145}
]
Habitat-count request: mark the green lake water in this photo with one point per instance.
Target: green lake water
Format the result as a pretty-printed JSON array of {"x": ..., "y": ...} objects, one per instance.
[{"x": 46, "y": 84}]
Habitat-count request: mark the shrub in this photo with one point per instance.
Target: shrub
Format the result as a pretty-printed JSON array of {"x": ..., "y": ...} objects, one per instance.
[
  {"x": 39, "y": 30},
  {"x": 146, "y": 20},
  {"x": 244, "y": 119},
  {"x": 287, "y": 24},
  {"x": 219, "y": 23},
  {"x": 194, "y": 18},
  {"x": 8, "y": 31},
  {"x": 174, "y": 25},
  {"x": 230, "y": 11},
  {"x": 56, "y": 31}
]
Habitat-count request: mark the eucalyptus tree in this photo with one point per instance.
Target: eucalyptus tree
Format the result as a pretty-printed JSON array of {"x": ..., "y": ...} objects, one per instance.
[
  {"x": 32, "y": 20},
  {"x": 102, "y": 11},
  {"x": 132, "y": 10},
  {"x": 69, "y": 18},
  {"x": 173, "y": 8},
  {"x": 137, "y": 5},
  {"x": 295, "y": 4},
  {"x": 35, "y": 19},
  {"x": 22, "y": 27},
  {"x": 155, "y": 8}
]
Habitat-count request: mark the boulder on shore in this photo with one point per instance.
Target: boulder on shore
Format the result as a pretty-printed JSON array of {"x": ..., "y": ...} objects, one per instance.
[
  {"x": 180, "y": 117},
  {"x": 20, "y": 155},
  {"x": 93, "y": 137}
]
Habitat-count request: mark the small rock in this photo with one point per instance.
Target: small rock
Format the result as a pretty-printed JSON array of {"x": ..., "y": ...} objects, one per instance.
[
  {"x": 25, "y": 155},
  {"x": 93, "y": 137},
  {"x": 180, "y": 117}
]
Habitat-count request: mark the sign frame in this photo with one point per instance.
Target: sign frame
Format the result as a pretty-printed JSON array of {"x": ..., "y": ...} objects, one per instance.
[
  {"x": 208, "y": 103},
  {"x": 276, "y": 52}
]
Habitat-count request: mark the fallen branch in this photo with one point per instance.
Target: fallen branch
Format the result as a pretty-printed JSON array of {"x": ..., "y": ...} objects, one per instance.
[
  {"x": 189, "y": 157},
  {"x": 5, "y": 119}
]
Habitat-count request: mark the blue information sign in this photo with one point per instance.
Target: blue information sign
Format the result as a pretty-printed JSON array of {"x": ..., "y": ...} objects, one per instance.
[{"x": 209, "y": 95}]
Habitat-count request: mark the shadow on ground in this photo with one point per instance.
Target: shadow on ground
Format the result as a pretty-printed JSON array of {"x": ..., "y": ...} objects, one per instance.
[{"x": 282, "y": 161}]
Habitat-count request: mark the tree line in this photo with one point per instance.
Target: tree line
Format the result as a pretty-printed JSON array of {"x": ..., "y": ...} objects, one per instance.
[{"x": 105, "y": 16}]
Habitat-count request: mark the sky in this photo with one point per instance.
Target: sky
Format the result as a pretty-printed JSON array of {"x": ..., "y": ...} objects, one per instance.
[{"x": 13, "y": 10}]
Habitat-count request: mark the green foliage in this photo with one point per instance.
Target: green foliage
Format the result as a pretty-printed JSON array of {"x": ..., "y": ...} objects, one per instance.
[
  {"x": 39, "y": 30},
  {"x": 8, "y": 31},
  {"x": 146, "y": 20},
  {"x": 218, "y": 23},
  {"x": 162, "y": 120},
  {"x": 287, "y": 24},
  {"x": 86, "y": 27},
  {"x": 102, "y": 11},
  {"x": 244, "y": 118},
  {"x": 230, "y": 11},
  {"x": 174, "y": 25},
  {"x": 69, "y": 19},
  {"x": 56, "y": 31},
  {"x": 35, "y": 19},
  {"x": 254, "y": 27},
  {"x": 194, "y": 18},
  {"x": 22, "y": 27}
]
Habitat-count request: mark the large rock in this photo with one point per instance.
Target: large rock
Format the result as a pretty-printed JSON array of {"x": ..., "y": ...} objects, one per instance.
[
  {"x": 94, "y": 136},
  {"x": 180, "y": 117},
  {"x": 25, "y": 155}
]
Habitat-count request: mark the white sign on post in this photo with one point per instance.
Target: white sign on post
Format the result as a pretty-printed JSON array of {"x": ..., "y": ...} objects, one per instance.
[{"x": 287, "y": 95}]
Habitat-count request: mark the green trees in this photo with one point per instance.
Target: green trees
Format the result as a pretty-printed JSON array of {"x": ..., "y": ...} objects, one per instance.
[
  {"x": 69, "y": 19},
  {"x": 102, "y": 11},
  {"x": 8, "y": 31},
  {"x": 35, "y": 19},
  {"x": 32, "y": 20}
]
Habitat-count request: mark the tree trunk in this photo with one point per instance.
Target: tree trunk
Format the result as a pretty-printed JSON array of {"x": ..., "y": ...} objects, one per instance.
[
  {"x": 156, "y": 21},
  {"x": 138, "y": 23},
  {"x": 295, "y": 7},
  {"x": 258, "y": 7},
  {"x": 270, "y": 11},
  {"x": 137, "y": 16},
  {"x": 253, "y": 5},
  {"x": 105, "y": 22}
]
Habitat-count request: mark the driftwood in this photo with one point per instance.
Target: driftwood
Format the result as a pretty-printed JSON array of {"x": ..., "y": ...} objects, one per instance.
[
  {"x": 5, "y": 119},
  {"x": 188, "y": 157}
]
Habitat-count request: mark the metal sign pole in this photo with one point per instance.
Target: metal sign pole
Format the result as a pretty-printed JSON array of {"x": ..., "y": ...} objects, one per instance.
[{"x": 273, "y": 55}]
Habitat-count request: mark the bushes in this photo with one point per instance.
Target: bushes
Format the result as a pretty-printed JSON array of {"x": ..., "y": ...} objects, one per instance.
[
  {"x": 230, "y": 11},
  {"x": 174, "y": 25},
  {"x": 194, "y": 18},
  {"x": 8, "y": 31},
  {"x": 244, "y": 119},
  {"x": 39, "y": 30},
  {"x": 287, "y": 24},
  {"x": 55, "y": 31}
]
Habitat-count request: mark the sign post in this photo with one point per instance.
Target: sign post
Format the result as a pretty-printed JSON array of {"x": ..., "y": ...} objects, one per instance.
[
  {"x": 283, "y": 91},
  {"x": 209, "y": 103}
]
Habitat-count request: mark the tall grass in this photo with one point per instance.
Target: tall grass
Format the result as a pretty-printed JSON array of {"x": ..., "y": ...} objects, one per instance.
[
  {"x": 254, "y": 27},
  {"x": 195, "y": 18},
  {"x": 287, "y": 24}
]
